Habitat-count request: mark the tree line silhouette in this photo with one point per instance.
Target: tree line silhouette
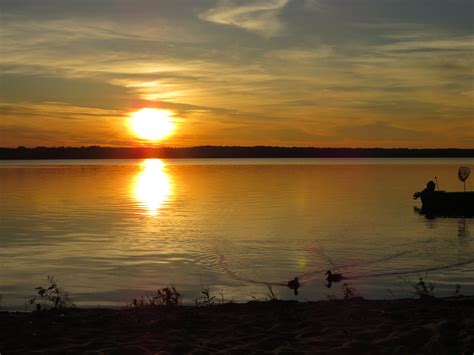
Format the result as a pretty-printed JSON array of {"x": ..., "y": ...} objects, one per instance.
[{"x": 97, "y": 152}]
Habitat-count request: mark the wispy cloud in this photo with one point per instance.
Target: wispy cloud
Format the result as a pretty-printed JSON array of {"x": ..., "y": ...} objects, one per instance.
[
  {"x": 425, "y": 43},
  {"x": 302, "y": 54},
  {"x": 313, "y": 4},
  {"x": 57, "y": 124},
  {"x": 260, "y": 16}
]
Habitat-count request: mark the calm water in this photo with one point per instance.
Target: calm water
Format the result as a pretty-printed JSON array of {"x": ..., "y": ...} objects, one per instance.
[{"x": 112, "y": 230}]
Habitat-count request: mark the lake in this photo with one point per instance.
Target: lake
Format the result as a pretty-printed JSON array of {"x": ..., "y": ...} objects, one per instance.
[{"x": 112, "y": 230}]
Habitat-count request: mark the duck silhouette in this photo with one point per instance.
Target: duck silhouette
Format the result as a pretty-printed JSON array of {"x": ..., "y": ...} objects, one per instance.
[
  {"x": 294, "y": 285},
  {"x": 333, "y": 277},
  {"x": 330, "y": 278}
]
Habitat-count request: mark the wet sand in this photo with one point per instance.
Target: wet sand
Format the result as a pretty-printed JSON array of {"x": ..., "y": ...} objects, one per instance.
[{"x": 440, "y": 326}]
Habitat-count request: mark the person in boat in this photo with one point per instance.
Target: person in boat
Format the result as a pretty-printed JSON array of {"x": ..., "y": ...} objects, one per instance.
[{"x": 427, "y": 191}]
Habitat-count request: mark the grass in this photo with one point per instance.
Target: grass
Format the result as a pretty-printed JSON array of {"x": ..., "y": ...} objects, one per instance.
[
  {"x": 457, "y": 290},
  {"x": 209, "y": 299},
  {"x": 349, "y": 292},
  {"x": 51, "y": 297},
  {"x": 54, "y": 297},
  {"x": 423, "y": 289},
  {"x": 206, "y": 299},
  {"x": 167, "y": 296},
  {"x": 269, "y": 296}
]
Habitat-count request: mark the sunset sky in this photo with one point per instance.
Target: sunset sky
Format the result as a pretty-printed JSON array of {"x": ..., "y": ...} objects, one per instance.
[{"x": 331, "y": 73}]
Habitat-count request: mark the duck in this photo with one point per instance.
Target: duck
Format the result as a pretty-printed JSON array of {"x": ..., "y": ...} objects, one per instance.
[
  {"x": 333, "y": 277},
  {"x": 294, "y": 285}
]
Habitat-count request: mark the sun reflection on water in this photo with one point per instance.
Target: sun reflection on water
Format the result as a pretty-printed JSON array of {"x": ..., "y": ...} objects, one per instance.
[{"x": 152, "y": 186}]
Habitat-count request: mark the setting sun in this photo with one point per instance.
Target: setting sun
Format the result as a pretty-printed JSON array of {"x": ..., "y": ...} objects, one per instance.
[{"x": 152, "y": 124}]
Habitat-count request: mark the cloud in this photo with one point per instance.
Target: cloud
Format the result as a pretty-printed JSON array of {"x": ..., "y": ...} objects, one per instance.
[
  {"x": 302, "y": 54},
  {"x": 256, "y": 16},
  {"x": 57, "y": 123},
  {"x": 461, "y": 43},
  {"x": 53, "y": 109},
  {"x": 313, "y": 66},
  {"x": 312, "y": 4},
  {"x": 43, "y": 88},
  {"x": 147, "y": 68}
]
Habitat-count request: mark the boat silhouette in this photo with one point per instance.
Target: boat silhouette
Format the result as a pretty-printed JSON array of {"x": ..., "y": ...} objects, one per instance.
[{"x": 442, "y": 203}]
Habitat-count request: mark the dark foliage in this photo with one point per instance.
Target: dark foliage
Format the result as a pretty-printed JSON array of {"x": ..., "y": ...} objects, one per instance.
[
  {"x": 167, "y": 296},
  {"x": 51, "y": 297}
]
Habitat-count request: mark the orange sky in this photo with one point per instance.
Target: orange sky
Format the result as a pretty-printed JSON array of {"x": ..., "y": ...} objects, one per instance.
[{"x": 372, "y": 73}]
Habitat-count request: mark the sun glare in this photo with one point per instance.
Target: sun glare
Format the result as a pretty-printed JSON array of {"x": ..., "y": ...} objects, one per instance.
[
  {"x": 152, "y": 186},
  {"x": 152, "y": 124}
]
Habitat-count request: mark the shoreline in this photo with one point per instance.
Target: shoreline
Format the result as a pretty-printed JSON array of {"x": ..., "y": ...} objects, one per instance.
[
  {"x": 164, "y": 152},
  {"x": 427, "y": 325}
]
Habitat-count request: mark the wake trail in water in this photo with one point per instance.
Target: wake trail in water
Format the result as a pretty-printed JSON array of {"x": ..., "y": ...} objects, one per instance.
[
  {"x": 236, "y": 276},
  {"x": 395, "y": 273},
  {"x": 310, "y": 275},
  {"x": 392, "y": 273},
  {"x": 305, "y": 277},
  {"x": 322, "y": 252},
  {"x": 416, "y": 242},
  {"x": 223, "y": 265}
]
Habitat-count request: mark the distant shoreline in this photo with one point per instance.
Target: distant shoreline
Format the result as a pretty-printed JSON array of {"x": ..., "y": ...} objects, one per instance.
[{"x": 97, "y": 152}]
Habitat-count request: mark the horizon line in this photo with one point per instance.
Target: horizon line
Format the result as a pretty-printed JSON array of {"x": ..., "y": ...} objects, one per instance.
[{"x": 20, "y": 147}]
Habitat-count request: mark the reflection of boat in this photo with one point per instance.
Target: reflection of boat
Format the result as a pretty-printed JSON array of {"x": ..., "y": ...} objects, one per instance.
[{"x": 444, "y": 203}]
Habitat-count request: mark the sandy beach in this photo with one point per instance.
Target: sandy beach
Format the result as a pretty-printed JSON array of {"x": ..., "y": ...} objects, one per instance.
[{"x": 435, "y": 326}]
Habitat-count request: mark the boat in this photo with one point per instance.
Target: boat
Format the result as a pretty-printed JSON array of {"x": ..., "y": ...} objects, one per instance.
[{"x": 442, "y": 203}]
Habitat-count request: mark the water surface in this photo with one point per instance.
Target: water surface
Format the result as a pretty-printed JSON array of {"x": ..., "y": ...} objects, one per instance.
[{"x": 110, "y": 230}]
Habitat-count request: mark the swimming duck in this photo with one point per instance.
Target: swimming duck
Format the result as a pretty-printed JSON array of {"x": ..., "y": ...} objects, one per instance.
[
  {"x": 294, "y": 285},
  {"x": 333, "y": 277}
]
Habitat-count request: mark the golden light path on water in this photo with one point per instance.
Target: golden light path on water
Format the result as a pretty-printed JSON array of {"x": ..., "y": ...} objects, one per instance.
[{"x": 152, "y": 186}]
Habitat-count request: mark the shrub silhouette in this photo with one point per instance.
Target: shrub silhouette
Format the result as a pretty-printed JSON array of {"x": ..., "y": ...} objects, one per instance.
[
  {"x": 349, "y": 292},
  {"x": 206, "y": 299},
  {"x": 167, "y": 296},
  {"x": 424, "y": 289},
  {"x": 52, "y": 297}
]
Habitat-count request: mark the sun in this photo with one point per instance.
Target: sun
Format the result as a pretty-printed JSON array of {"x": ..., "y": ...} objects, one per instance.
[{"x": 152, "y": 124}]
